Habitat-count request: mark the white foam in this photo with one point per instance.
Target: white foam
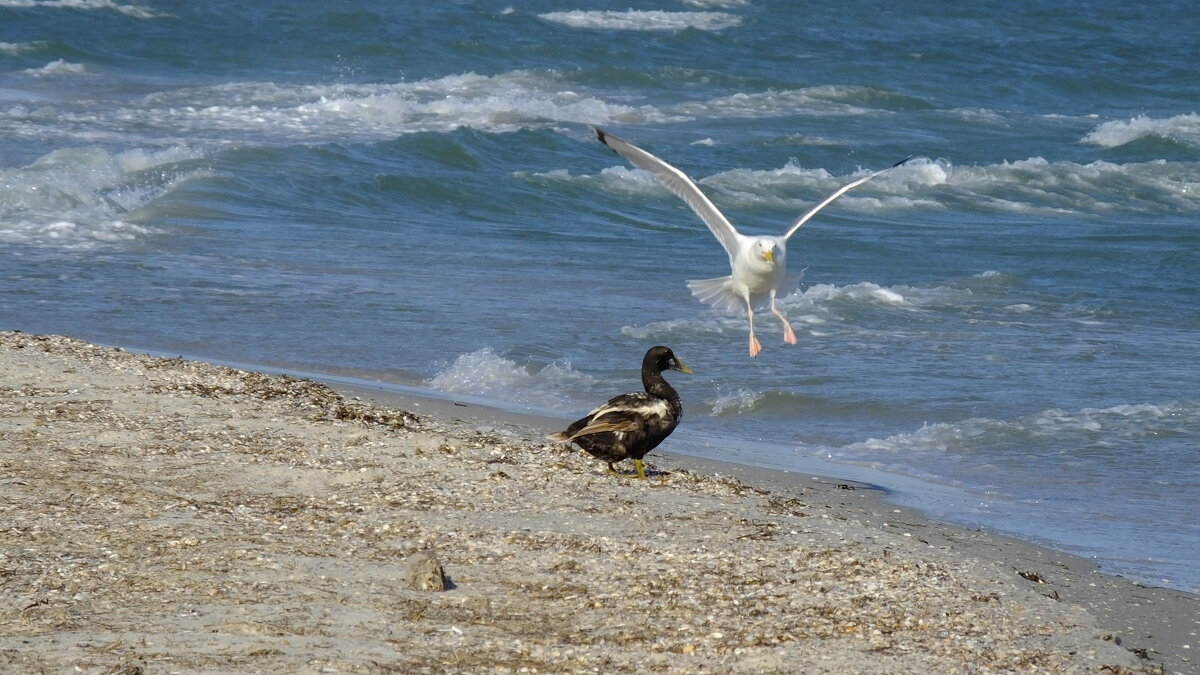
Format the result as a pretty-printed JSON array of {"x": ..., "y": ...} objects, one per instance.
[
  {"x": 716, "y": 4},
  {"x": 865, "y": 293},
  {"x": 921, "y": 171},
  {"x": 980, "y": 115},
  {"x": 815, "y": 141},
  {"x": 270, "y": 112},
  {"x": 1180, "y": 128},
  {"x": 643, "y": 20},
  {"x": 1121, "y": 421},
  {"x": 70, "y": 235},
  {"x": 940, "y": 438},
  {"x": 1029, "y": 186},
  {"x": 128, "y": 10},
  {"x": 486, "y": 374},
  {"x": 819, "y": 294},
  {"x": 15, "y": 48},
  {"x": 734, "y": 400},
  {"x": 1038, "y": 186},
  {"x": 57, "y": 68},
  {"x": 1097, "y": 426},
  {"x": 825, "y": 100}
]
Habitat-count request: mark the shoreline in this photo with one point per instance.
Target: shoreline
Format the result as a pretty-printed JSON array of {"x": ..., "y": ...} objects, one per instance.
[
  {"x": 930, "y": 500},
  {"x": 267, "y": 513}
]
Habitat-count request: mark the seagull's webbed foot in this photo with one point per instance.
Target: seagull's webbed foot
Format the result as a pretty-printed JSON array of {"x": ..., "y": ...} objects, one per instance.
[
  {"x": 788, "y": 335},
  {"x": 755, "y": 346}
]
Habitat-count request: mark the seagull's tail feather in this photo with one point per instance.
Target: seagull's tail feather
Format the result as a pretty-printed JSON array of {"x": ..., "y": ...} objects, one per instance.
[{"x": 718, "y": 293}]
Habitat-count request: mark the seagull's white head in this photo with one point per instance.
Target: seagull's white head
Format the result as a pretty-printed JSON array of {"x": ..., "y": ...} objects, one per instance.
[{"x": 766, "y": 249}]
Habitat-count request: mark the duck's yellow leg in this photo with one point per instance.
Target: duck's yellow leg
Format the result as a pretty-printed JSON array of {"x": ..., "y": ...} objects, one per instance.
[{"x": 641, "y": 471}]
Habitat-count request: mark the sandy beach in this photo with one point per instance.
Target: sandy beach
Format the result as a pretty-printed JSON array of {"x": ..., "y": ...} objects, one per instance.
[{"x": 164, "y": 515}]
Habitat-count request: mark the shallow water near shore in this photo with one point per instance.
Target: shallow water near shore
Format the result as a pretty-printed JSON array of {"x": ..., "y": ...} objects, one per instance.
[{"x": 412, "y": 197}]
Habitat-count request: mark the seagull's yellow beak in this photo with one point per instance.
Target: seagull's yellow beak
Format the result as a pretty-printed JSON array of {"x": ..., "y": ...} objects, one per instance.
[
  {"x": 768, "y": 255},
  {"x": 682, "y": 368}
]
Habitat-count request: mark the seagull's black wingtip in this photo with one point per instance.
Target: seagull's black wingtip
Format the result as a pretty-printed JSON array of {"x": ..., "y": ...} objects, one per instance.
[
  {"x": 902, "y": 161},
  {"x": 603, "y": 138}
]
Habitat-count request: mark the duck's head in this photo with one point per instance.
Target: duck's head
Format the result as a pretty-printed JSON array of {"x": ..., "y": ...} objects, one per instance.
[{"x": 662, "y": 358}]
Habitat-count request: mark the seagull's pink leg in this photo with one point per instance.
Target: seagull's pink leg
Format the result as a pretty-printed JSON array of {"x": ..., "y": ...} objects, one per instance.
[
  {"x": 788, "y": 336},
  {"x": 755, "y": 347}
]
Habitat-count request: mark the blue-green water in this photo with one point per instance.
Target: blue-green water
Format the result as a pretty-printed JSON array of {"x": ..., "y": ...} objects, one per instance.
[{"x": 408, "y": 192}]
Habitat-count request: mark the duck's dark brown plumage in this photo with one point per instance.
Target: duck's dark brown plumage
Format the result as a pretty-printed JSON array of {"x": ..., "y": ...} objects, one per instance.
[{"x": 630, "y": 425}]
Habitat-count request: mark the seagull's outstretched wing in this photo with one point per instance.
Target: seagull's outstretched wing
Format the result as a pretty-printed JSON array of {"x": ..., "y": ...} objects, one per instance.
[
  {"x": 837, "y": 193},
  {"x": 681, "y": 186}
]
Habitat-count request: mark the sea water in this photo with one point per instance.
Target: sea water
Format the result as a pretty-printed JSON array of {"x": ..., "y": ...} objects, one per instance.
[{"x": 408, "y": 193}]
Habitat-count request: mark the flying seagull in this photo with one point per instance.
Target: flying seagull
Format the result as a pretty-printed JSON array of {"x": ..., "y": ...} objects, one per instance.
[{"x": 759, "y": 263}]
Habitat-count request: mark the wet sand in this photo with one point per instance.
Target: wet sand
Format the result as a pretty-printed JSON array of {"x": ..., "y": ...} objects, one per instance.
[{"x": 164, "y": 515}]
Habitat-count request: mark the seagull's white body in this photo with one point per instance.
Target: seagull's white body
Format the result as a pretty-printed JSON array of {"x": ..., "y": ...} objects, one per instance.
[{"x": 758, "y": 264}]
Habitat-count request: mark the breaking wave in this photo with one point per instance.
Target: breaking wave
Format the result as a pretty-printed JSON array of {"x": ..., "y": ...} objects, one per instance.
[
  {"x": 82, "y": 198},
  {"x": 1184, "y": 129},
  {"x": 486, "y": 374},
  {"x": 643, "y": 20}
]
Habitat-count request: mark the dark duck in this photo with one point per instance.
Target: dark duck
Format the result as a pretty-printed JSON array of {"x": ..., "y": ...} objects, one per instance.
[{"x": 630, "y": 425}]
